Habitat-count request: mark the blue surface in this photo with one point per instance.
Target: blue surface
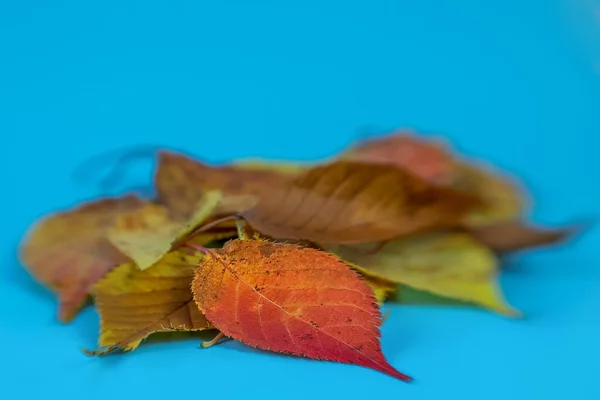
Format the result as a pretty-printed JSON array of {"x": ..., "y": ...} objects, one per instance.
[{"x": 513, "y": 81}]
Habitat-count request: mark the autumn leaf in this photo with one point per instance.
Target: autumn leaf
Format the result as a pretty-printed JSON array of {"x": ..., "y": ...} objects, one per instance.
[
  {"x": 280, "y": 166},
  {"x": 290, "y": 299},
  {"x": 429, "y": 160},
  {"x": 354, "y": 202},
  {"x": 181, "y": 181},
  {"x": 502, "y": 198},
  {"x": 134, "y": 304},
  {"x": 147, "y": 234},
  {"x": 447, "y": 264},
  {"x": 516, "y": 235},
  {"x": 68, "y": 251}
]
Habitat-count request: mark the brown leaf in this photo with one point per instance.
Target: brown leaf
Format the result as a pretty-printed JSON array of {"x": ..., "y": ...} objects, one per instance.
[
  {"x": 516, "y": 235},
  {"x": 69, "y": 252},
  {"x": 348, "y": 202},
  {"x": 502, "y": 197},
  {"x": 181, "y": 181},
  {"x": 134, "y": 304}
]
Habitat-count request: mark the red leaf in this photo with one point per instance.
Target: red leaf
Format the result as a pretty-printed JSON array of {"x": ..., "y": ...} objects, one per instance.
[
  {"x": 427, "y": 159},
  {"x": 291, "y": 299}
]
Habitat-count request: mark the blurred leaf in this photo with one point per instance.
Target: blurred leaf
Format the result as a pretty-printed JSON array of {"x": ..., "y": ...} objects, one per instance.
[
  {"x": 515, "y": 235},
  {"x": 348, "y": 202},
  {"x": 447, "y": 264},
  {"x": 147, "y": 234},
  {"x": 68, "y": 251},
  {"x": 181, "y": 181},
  {"x": 427, "y": 159}
]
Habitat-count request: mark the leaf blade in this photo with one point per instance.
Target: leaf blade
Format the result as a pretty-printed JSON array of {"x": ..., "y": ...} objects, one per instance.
[
  {"x": 68, "y": 251},
  {"x": 134, "y": 304},
  {"x": 348, "y": 202},
  {"x": 276, "y": 311},
  {"x": 447, "y": 264},
  {"x": 147, "y": 234}
]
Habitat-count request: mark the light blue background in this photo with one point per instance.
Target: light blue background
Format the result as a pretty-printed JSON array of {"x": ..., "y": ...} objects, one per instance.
[{"x": 514, "y": 81}]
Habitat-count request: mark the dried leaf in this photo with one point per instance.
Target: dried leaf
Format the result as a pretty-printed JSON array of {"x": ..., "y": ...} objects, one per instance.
[
  {"x": 516, "y": 235},
  {"x": 283, "y": 167},
  {"x": 181, "y": 181},
  {"x": 447, "y": 264},
  {"x": 134, "y": 304},
  {"x": 68, "y": 251},
  {"x": 427, "y": 159},
  {"x": 502, "y": 198},
  {"x": 147, "y": 234},
  {"x": 353, "y": 202},
  {"x": 290, "y": 299}
]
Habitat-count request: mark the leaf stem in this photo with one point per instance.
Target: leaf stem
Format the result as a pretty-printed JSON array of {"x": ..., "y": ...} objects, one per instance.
[{"x": 208, "y": 344}]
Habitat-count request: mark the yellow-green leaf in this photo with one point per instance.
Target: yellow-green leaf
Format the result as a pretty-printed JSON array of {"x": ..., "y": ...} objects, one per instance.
[
  {"x": 447, "y": 264},
  {"x": 147, "y": 234}
]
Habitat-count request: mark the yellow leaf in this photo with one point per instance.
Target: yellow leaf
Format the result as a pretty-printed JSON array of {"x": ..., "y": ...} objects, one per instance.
[
  {"x": 503, "y": 198},
  {"x": 382, "y": 289},
  {"x": 447, "y": 264},
  {"x": 134, "y": 304},
  {"x": 147, "y": 234}
]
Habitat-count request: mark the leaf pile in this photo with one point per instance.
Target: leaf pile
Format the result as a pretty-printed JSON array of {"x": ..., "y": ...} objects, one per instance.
[{"x": 289, "y": 258}]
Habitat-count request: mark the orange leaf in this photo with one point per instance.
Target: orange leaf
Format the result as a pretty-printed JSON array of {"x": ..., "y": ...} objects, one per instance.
[
  {"x": 181, "y": 181},
  {"x": 426, "y": 159},
  {"x": 291, "y": 299},
  {"x": 68, "y": 251},
  {"x": 134, "y": 304},
  {"x": 348, "y": 202}
]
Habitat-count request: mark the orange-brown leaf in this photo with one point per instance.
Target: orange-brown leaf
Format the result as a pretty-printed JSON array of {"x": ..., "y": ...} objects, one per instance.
[
  {"x": 68, "y": 251},
  {"x": 291, "y": 299},
  {"x": 516, "y": 235},
  {"x": 181, "y": 181},
  {"x": 502, "y": 198},
  {"x": 134, "y": 304},
  {"x": 348, "y": 202},
  {"x": 427, "y": 159}
]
